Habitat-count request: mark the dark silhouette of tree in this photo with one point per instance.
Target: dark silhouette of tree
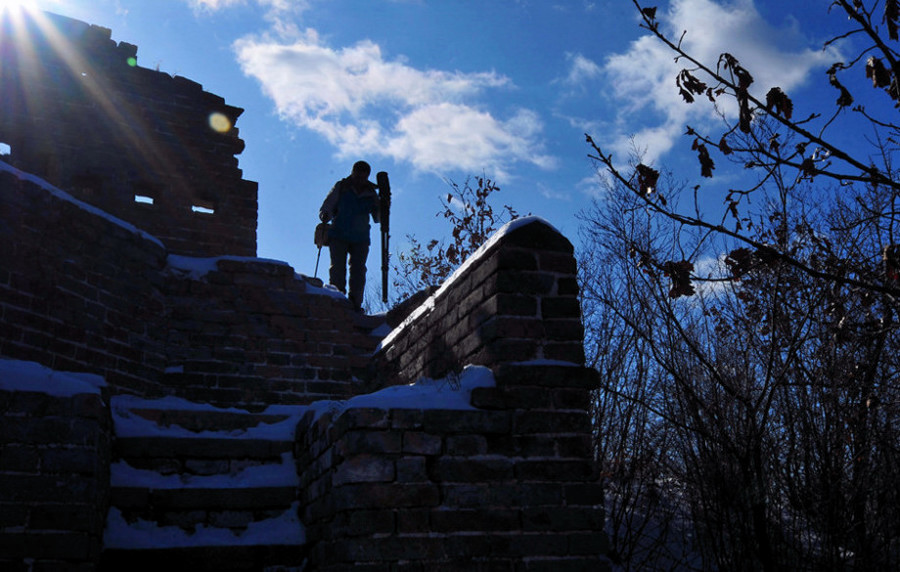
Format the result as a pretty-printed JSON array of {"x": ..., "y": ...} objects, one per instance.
[
  {"x": 751, "y": 402},
  {"x": 472, "y": 220}
]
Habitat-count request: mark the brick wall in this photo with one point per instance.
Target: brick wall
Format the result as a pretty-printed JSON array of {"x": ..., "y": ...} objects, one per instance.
[
  {"x": 516, "y": 301},
  {"x": 77, "y": 110},
  {"x": 54, "y": 477},
  {"x": 251, "y": 331},
  {"x": 79, "y": 291},
  {"x": 506, "y": 487},
  {"x": 83, "y": 291}
]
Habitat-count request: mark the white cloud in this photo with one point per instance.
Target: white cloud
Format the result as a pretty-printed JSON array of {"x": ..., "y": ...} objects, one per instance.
[
  {"x": 643, "y": 77},
  {"x": 363, "y": 103},
  {"x": 213, "y": 4},
  {"x": 271, "y": 5},
  {"x": 581, "y": 69}
]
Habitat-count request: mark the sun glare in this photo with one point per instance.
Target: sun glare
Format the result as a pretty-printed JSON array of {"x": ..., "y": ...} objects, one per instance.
[{"x": 8, "y": 5}]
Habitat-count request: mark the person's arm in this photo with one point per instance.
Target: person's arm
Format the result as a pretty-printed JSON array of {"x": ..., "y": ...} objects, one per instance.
[
  {"x": 376, "y": 208},
  {"x": 329, "y": 206}
]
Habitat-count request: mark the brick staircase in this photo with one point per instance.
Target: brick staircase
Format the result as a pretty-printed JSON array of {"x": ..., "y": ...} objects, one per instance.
[{"x": 195, "y": 487}]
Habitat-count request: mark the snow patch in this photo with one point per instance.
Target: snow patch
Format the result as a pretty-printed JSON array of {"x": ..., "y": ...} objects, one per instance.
[
  {"x": 198, "y": 267},
  {"x": 129, "y": 424},
  {"x": 285, "y": 529},
  {"x": 326, "y": 290},
  {"x": 446, "y": 393},
  {"x": 18, "y": 375},
  {"x": 269, "y": 475},
  {"x": 428, "y": 305}
]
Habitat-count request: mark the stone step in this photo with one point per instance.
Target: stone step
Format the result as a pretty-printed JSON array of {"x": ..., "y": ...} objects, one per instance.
[
  {"x": 375, "y": 323},
  {"x": 197, "y": 487},
  {"x": 197, "y": 421},
  {"x": 194, "y": 499},
  {"x": 270, "y": 558},
  {"x": 199, "y": 448},
  {"x": 171, "y": 416}
]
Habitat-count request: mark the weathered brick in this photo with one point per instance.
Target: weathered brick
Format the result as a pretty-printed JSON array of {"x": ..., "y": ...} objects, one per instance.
[
  {"x": 422, "y": 443},
  {"x": 411, "y": 469},
  {"x": 484, "y": 519},
  {"x": 511, "y": 397},
  {"x": 385, "y": 495},
  {"x": 369, "y": 441},
  {"x": 466, "y": 445},
  {"x": 571, "y": 421},
  {"x": 413, "y": 521},
  {"x": 551, "y": 470},
  {"x": 77, "y": 516},
  {"x": 443, "y": 421},
  {"x": 572, "y": 352},
  {"x": 467, "y": 470},
  {"x": 546, "y": 376},
  {"x": 363, "y": 523},
  {"x": 19, "y": 458},
  {"x": 563, "y": 263},
  {"x": 364, "y": 469},
  {"x": 539, "y": 236},
  {"x": 13, "y": 515},
  {"x": 79, "y": 460},
  {"x": 62, "y": 545}
]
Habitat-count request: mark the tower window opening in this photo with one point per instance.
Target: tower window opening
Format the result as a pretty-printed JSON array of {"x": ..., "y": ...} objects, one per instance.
[
  {"x": 5, "y": 150},
  {"x": 143, "y": 199},
  {"x": 203, "y": 207}
]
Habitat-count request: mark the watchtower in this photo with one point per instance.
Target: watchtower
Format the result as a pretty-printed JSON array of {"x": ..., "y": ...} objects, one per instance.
[{"x": 154, "y": 150}]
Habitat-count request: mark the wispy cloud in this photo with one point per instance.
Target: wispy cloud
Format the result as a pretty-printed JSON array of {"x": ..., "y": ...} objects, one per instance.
[
  {"x": 581, "y": 69},
  {"x": 366, "y": 104},
  {"x": 642, "y": 78},
  {"x": 279, "y": 13},
  {"x": 273, "y": 5}
]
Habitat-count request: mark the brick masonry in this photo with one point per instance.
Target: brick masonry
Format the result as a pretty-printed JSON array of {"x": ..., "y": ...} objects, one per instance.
[
  {"x": 517, "y": 302},
  {"x": 83, "y": 291},
  {"x": 54, "y": 479},
  {"x": 79, "y": 111},
  {"x": 509, "y": 486},
  {"x": 91, "y": 282}
]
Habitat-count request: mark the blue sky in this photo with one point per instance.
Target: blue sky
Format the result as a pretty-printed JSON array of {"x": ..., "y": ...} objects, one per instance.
[{"x": 435, "y": 89}]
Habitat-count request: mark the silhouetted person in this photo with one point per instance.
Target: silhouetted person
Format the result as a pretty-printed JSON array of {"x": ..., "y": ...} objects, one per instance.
[{"x": 348, "y": 206}]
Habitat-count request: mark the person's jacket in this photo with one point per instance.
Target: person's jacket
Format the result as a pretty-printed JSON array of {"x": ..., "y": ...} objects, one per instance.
[{"x": 348, "y": 207}]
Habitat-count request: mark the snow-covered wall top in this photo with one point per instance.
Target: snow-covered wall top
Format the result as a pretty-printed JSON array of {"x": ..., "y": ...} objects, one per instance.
[{"x": 515, "y": 300}]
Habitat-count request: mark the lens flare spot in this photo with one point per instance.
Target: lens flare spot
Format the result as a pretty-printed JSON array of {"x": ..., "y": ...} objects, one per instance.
[
  {"x": 219, "y": 122},
  {"x": 132, "y": 61}
]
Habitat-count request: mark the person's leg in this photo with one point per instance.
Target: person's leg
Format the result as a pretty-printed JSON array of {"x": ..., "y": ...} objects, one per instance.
[
  {"x": 337, "y": 273},
  {"x": 358, "y": 254}
]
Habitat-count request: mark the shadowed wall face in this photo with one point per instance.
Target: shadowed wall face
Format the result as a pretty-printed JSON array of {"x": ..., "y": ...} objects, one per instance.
[{"x": 149, "y": 148}]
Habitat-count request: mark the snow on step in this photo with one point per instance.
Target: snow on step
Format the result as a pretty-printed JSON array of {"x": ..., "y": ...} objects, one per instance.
[
  {"x": 275, "y": 423},
  {"x": 141, "y": 534},
  {"x": 146, "y": 428}
]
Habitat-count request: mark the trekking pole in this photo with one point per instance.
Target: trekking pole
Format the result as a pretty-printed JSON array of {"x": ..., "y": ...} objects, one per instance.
[
  {"x": 384, "y": 194},
  {"x": 318, "y": 256}
]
